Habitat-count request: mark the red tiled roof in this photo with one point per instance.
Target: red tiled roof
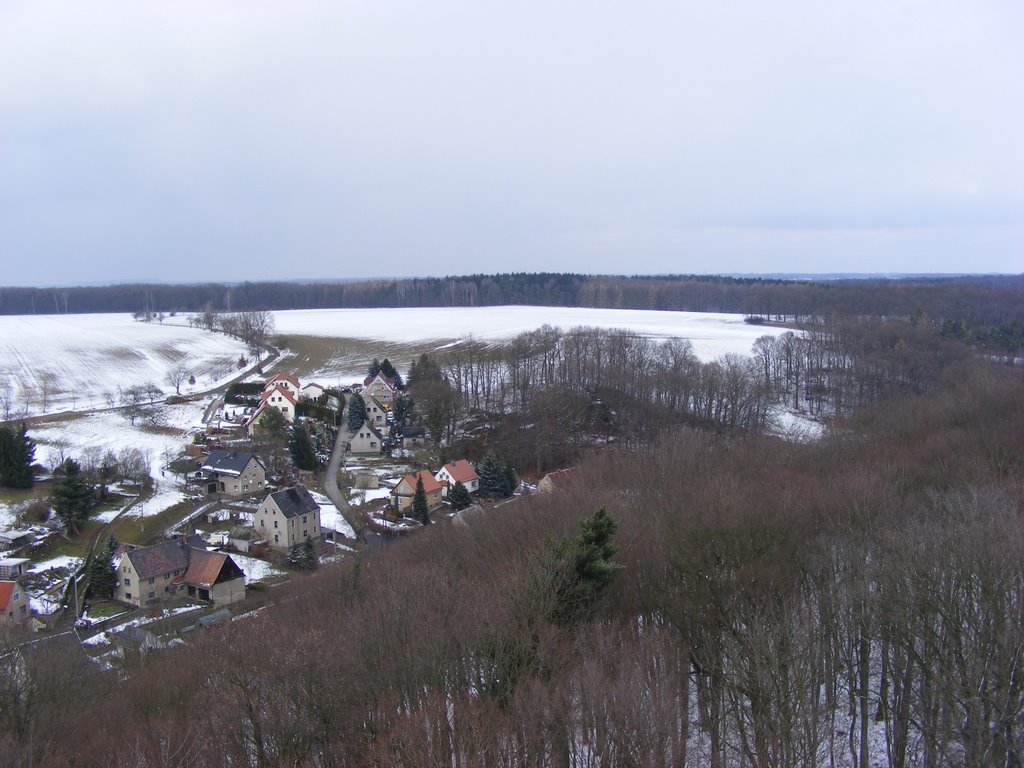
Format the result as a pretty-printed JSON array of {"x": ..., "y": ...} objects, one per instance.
[
  {"x": 430, "y": 485},
  {"x": 277, "y": 388},
  {"x": 386, "y": 379},
  {"x": 204, "y": 567},
  {"x": 461, "y": 471},
  {"x": 282, "y": 375},
  {"x": 559, "y": 476},
  {"x": 6, "y": 591}
]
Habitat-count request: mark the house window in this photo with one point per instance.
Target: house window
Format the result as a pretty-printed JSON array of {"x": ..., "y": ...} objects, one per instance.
[
  {"x": 127, "y": 582},
  {"x": 150, "y": 579},
  {"x": 275, "y": 538},
  {"x": 152, "y": 595},
  {"x": 305, "y": 534},
  {"x": 373, "y": 445},
  {"x": 127, "y": 595},
  {"x": 275, "y": 523},
  {"x": 304, "y": 519}
]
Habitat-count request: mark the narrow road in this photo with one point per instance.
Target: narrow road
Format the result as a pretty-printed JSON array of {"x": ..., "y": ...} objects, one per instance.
[{"x": 331, "y": 480}]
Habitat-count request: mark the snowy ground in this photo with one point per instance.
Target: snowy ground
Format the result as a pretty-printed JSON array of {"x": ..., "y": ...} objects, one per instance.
[
  {"x": 255, "y": 570},
  {"x": 110, "y": 431},
  {"x": 712, "y": 334},
  {"x": 104, "y": 637},
  {"x": 76, "y": 362},
  {"x": 330, "y": 517}
]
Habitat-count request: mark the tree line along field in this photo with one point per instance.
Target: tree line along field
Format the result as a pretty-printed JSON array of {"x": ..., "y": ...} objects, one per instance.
[
  {"x": 743, "y": 600},
  {"x": 982, "y": 302}
]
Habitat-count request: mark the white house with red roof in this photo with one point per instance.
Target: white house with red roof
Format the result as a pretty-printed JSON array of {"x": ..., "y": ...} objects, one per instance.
[
  {"x": 460, "y": 471},
  {"x": 278, "y": 397},
  {"x": 14, "y": 608},
  {"x": 284, "y": 381}
]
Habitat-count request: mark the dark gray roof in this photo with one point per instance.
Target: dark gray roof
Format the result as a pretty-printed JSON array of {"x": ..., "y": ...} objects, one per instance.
[
  {"x": 414, "y": 431},
  {"x": 244, "y": 533},
  {"x": 214, "y": 618},
  {"x": 173, "y": 555},
  {"x": 295, "y": 501},
  {"x": 228, "y": 462}
]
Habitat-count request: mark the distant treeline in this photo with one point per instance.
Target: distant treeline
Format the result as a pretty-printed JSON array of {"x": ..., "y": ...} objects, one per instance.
[{"x": 984, "y": 301}]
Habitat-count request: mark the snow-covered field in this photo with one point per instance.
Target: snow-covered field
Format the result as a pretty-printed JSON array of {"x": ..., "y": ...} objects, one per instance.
[
  {"x": 712, "y": 334},
  {"x": 75, "y": 362}
]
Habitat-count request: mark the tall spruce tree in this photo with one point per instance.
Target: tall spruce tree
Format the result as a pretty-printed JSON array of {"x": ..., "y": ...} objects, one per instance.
[
  {"x": 580, "y": 570},
  {"x": 102, "y": 576},
  {"x": 420, "y": 508},
  {"x": 356, "y": 412},
  {"x": 459, "y": 496},
  {"x": 72, "y": 495},
  {"x": 301, "y": 449},
  {"x": 17, "y": 452},
  {"x": 497, "y": 477}
]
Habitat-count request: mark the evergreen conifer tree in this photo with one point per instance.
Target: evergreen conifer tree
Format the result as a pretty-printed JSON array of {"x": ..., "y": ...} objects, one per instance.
[
  {"x": 420, "y": 508},
  {"x": 301, "y": 449},
  {"x": 72, "y": 495},
  {"x": 17, "y": 452},
  {"x": 356, "y": 412},
  {"x": 497, "y": 477},
  {"x": 24, "y": 456},
  {"x": 580, "y": 570},
  {"x": 102, "y": 577},
  {"x": 459, "y": 497},
  {"x": 303, "y": 556}
]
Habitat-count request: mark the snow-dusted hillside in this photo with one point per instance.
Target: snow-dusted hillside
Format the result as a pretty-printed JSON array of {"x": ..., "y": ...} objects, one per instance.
[{"x": 54, "y": 363}]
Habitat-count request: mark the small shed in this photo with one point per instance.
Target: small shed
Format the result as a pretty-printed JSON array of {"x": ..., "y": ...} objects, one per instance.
[{"x": 13, "y": 567}]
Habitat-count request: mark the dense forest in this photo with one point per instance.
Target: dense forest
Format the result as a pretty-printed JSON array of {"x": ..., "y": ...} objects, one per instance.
[
  {"x": 694, "y": 597},
  {"x": 983, "y": 302}
]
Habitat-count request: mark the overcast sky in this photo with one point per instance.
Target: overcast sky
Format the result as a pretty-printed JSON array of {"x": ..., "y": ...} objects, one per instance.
[{"x": 242, "y": 140}]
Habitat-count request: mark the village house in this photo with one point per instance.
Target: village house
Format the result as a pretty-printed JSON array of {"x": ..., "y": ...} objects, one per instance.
[
  {"x": 381, "y": 387},
  {"x": 288, "y": 517},
  {"x": 554, "y": 480},
  {"x": 177, "y": 568},
  {"x": 14, "y": 607},
  {"x": 285, "y": 381},
  {"x": 376, "y": 412},
  {"x": 276, "y": 397},
  {"x": 403, "y": 493},
  {"x": 414, "y": 437},
  {"x": 460, "y": 471},
  {"x": 366, "y": 440},
  {"x": 233, "y": 473},
  {"x": 312, "y": 391}
]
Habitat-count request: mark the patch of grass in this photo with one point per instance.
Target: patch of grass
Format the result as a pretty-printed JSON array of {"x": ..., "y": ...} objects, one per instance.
[
  {"x": 133, "y": 529},
  {"x": 20, "y": 495},
  {"x": 105, "y": 609},
  {"x": 348, "y": 357}
]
